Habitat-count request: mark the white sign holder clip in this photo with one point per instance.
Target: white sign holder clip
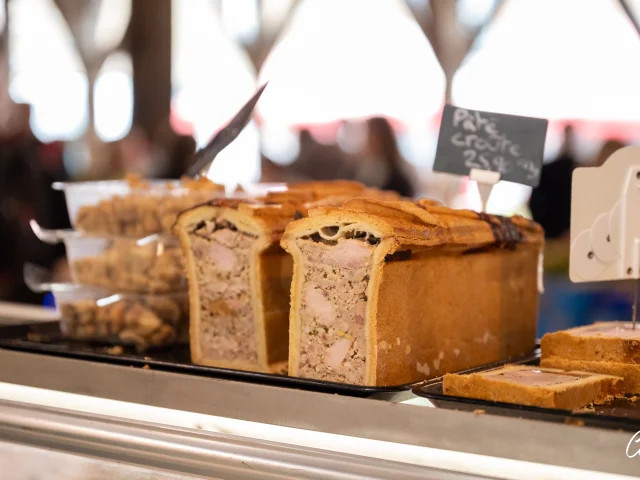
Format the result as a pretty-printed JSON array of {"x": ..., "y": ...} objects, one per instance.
[
  {"x": 605, "y": 221},
  {"x": 486, "y": 179}
]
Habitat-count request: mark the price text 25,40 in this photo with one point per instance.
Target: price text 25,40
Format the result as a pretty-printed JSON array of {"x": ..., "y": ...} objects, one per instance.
[{"x": 497, "y": 163}]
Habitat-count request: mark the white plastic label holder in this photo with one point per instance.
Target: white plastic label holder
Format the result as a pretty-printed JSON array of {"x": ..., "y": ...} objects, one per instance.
[{"x": 485, "y": 179}]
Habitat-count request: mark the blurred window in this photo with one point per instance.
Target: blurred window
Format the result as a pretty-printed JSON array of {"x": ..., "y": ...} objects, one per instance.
[
  {"x": 474, "y": 13},
  {"x": 114, "y": 97},
  {"x": 240, "y": 19},
  {"x": 573, "y": 60},
  {"x": 212, "y": 79},
  {"x": 47, "y": 72},
  {"x": 335, "y": 63}
]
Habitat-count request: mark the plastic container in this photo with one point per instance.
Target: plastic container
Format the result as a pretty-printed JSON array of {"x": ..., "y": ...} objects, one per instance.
[
  {"x": 97, "y": 314},
  {"x": 142, "y": 320},
  {"x": 154, "y": 264},
  {"x": 119, "y": 207}
]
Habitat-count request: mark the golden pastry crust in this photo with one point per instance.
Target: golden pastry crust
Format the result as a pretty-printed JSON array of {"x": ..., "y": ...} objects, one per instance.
[
  {"x": 201, "y": 183},
  {"x": 255, "y": 217},
  {"x": 448, "y": 289},
  {"x": 517, "y": 384},
  {"x": 308, "y": 195},
  {"x": 424, "y": 224},
  {"x": 602, "y": 341},
  {"x": 311, "y": 191}
]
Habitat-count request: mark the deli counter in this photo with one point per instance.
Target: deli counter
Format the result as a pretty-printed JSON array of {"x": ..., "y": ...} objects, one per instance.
[{"x": 68, "y": 418}]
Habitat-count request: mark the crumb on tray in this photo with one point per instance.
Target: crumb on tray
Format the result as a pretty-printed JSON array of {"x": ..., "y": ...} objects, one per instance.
[
  {"x": 115, "y": 350},
  {"x": 586, "y": 409},
  {"x": 136, "y": 180},
  {"x": 479, "y": 411},
  {"x": 574, "y": 421},
  {"x": 146, "y": 367},
  {"x": 201, "y": 183}
]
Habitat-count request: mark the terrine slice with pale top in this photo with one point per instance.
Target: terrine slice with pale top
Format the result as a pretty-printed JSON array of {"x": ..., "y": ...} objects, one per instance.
[
  {"x": 391, "y": 292},
  {"x": 535, "y": 386}
]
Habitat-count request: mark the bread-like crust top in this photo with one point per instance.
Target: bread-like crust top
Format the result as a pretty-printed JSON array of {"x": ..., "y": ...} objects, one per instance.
[
  {"x": 617, "y": 330},
  {"x": 420, "y": 224},
  {"x": 263, "y": 220},
  {"x": 601, "y": 341},
  {"x": 269, "y": 215}
]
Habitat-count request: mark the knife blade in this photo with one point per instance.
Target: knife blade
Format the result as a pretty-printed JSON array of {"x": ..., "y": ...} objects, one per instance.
[
  {"x": 631, "y": 13},
  {"x": 205, "y": 156}
]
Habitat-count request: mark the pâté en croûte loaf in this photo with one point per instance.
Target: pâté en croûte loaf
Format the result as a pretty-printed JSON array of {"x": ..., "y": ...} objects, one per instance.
[
  {"x": 392, "y": 292},
  {"x": 535, "y": 386},
  {"x": 240, "y": 277}
]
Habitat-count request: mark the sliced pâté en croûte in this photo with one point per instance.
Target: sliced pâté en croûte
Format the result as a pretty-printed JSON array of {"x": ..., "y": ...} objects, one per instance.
[
  {"x": 535, "y": 386},
  {"x": 239, "y": 276},
  {"x": 611, "y": 348}
]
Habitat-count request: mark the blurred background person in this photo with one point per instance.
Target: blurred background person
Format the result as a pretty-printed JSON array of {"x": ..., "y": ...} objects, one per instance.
[
  {"x": 608, "y": 148},
  {"x": 181, "y": 152},
  {"x": 380, "y": 164},
  {"x": 550, "y": 201},
  {"x": 317, "y": 161},
  {"x": 27, "y": 169},
  {"x": 178, "y": 149}
]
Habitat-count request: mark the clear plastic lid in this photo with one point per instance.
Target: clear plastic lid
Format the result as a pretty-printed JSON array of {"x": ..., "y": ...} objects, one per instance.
[
  {"x": 152, "y": 264},
  {"x": 99, "y": 314},
  {"x": 165, "y": 197}
]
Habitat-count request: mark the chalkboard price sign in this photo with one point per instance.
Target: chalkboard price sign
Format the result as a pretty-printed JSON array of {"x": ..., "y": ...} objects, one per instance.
[{"x": 511, "y": 145}]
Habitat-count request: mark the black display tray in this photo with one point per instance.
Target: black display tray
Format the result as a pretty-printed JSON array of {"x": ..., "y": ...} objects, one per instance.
[
  {"x": 621, "y": 414},
  {"x": 46, "y": 338}
]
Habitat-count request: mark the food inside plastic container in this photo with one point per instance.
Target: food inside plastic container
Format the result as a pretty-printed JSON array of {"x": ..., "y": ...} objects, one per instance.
[
  {"x": 137, "y": 208},
  {"x": 133, "y": 207},
  {"x": 154, "y": 264},
  {"x": 141, "y": 269},
  {"x": 141, "y": 320},
  {"x": 97, "y": 314}
]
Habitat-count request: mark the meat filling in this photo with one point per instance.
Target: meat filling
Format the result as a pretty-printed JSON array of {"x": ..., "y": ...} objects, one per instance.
[
  {"x": 332, "y": 312},
  {"x": 227, "y": 324}
]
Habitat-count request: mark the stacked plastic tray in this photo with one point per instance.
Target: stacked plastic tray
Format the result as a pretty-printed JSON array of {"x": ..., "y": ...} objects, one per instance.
[{"x": 128, "y": 278}]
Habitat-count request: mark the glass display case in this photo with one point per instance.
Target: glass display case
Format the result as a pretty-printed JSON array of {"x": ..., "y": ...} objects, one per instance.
[{"x": 69, "y": 418}]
